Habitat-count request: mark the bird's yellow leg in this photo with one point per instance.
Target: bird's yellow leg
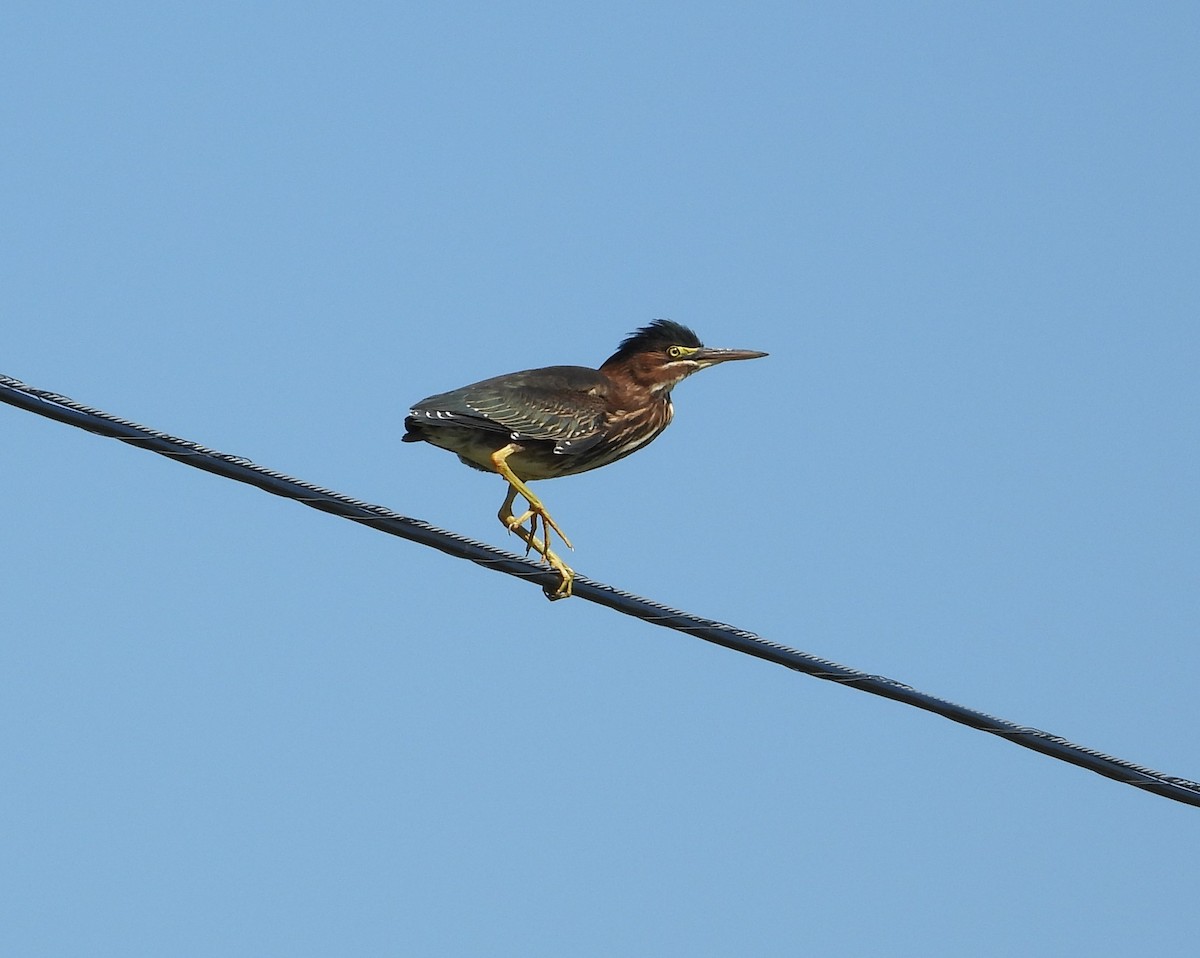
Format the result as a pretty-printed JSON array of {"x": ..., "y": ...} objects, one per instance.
[
  {"x": 516, "y": 486},
  {"x": 512, "y": 523},
  {"x": 529, "y": 536}
]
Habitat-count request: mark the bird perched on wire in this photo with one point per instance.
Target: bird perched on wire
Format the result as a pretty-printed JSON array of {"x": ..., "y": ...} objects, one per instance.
[{"x": 562, "y": 420}]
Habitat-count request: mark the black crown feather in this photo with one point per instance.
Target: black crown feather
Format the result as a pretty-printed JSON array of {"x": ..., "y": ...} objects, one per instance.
[{"x": 658, "y": 335}]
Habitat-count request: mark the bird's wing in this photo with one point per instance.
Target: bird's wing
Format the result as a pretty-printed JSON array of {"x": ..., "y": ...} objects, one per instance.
[{"x": 559, "y": 404}]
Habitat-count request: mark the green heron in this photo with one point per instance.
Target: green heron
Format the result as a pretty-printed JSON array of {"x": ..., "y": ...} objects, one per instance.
[{"x": 562, "y": 420}]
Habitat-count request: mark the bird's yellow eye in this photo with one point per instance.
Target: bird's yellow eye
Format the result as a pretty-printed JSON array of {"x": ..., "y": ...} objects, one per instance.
[{"x": 675, "y": 352}]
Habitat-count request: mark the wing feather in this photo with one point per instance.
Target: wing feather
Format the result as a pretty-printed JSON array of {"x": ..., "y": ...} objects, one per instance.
[{"x": 560, "y": 404}]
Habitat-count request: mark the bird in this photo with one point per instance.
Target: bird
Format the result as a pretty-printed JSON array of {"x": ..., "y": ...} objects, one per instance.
[{"x": 564, "y": 420}]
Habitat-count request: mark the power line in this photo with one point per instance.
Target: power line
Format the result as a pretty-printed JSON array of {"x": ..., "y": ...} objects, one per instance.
[{"x": 60, "y": 408}]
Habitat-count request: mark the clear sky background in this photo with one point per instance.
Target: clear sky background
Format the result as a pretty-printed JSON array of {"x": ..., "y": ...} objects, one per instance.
[{"x": 969, "y": 236}]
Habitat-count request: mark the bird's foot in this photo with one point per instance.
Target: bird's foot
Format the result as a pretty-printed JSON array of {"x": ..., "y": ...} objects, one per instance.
[
  {"x": 541, "y": 546},
  {"x": 516, "y": 527},
  {"x": 566, "y": 579},
  {"x": 535, "y": 512}
]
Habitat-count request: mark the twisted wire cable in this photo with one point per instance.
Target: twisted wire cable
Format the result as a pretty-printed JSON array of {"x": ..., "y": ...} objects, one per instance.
[{"x": 61, "y": 408}]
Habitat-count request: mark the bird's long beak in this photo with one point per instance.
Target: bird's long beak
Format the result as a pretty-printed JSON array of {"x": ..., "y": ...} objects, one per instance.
[{"x": 710, "y": 357}]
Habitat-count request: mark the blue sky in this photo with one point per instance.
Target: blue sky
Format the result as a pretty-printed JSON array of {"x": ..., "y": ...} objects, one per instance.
[{"x": 967, "y": 235}]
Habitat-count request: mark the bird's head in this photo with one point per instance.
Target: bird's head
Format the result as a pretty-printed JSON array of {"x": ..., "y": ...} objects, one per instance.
[{"x": 662, "y": 354}]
